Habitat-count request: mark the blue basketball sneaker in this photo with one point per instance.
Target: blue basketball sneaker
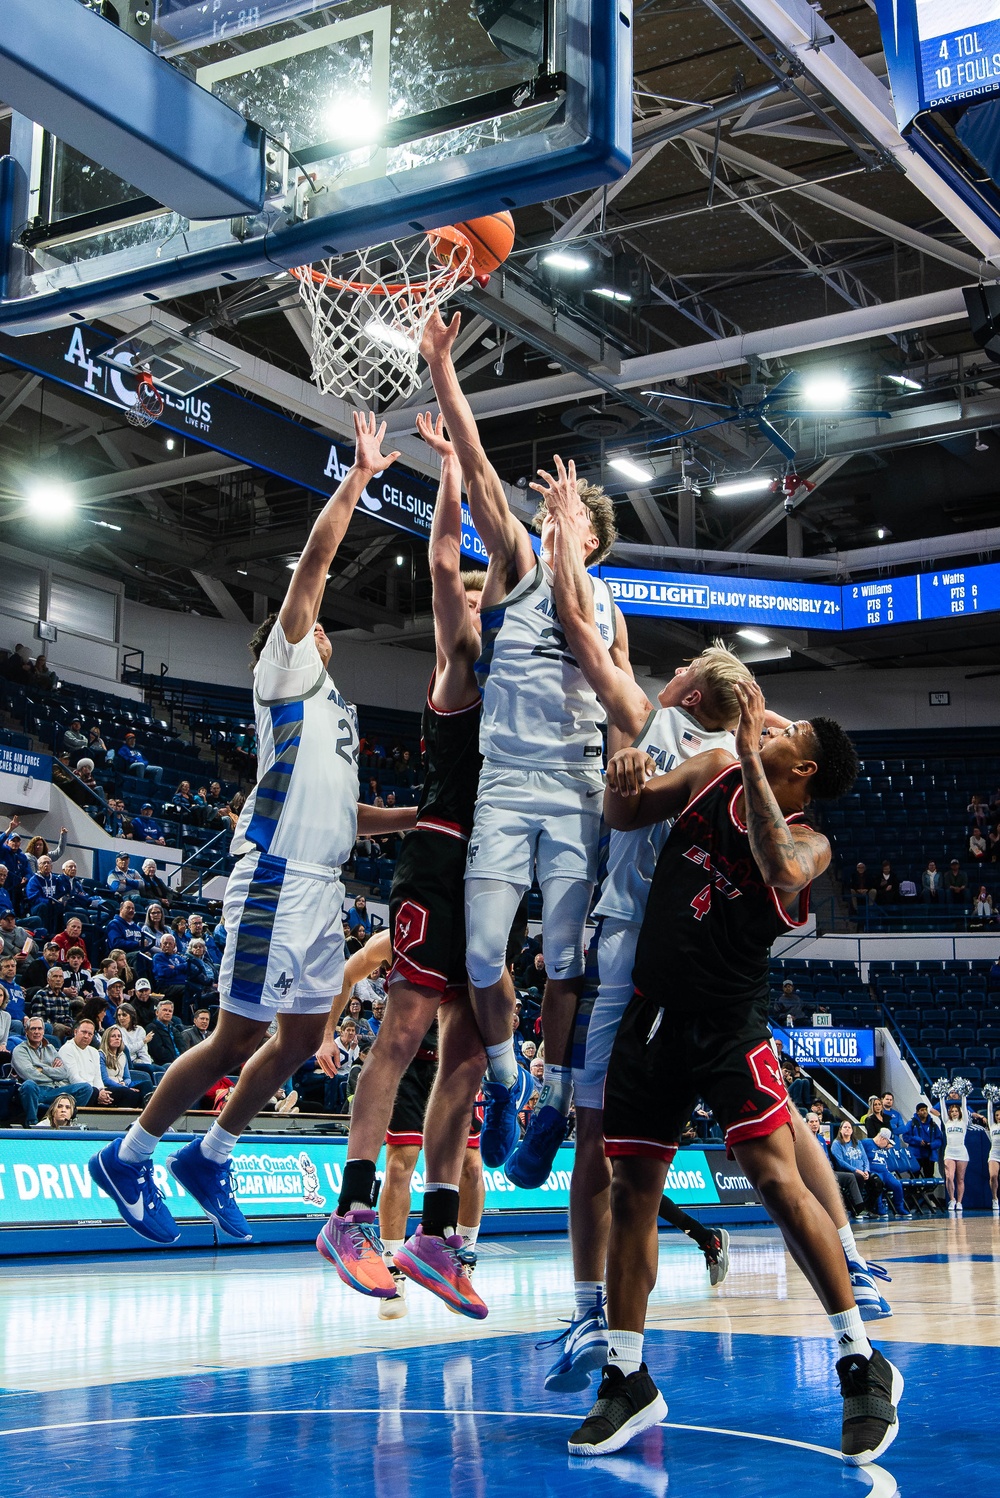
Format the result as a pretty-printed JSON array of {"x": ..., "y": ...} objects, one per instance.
[
  {"x": 530, "y": 1164},
  {"x": 583, "y": 1349},
  {"x": 135, "y": 1193},
  {"x": 500, "y": 1131},
  {"x": 211, "y": 1185},
  {"x": 872, "y": 1305}
]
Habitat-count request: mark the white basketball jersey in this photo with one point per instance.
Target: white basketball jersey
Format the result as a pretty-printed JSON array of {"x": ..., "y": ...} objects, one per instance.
[
  {"x": 668, "y": 736},
  {"x": 995, "y": 1141},
  {"x": 538, "y": 710},
  {"x": 304, "y": 807}
]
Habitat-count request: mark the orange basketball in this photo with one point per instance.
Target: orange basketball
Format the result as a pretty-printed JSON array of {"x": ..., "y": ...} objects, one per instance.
[{"x": 492, "y": 239}]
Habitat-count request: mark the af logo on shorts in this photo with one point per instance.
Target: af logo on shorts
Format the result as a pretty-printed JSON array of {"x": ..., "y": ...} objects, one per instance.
[
  {"x": 284, "y": 983},
  {"x": 473, "y": 850}
]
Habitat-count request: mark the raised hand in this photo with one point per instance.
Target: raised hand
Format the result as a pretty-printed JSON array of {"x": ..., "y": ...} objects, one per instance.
[
  {"x": 434, "y": 434},
  {"x": 368, "y": 454},
  {"x": 628, "y": 771},
  {"x": 560, "y": 494},
  {"x": 750, "y": 729},
  {"x": 439, "y": 336}
]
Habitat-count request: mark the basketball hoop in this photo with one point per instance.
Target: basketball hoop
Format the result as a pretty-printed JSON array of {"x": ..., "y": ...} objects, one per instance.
[
  {"x": 148, "y": 400},
  {"x": 366, "y": 330}
]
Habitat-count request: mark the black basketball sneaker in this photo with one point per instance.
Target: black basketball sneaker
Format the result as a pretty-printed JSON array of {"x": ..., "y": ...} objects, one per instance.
[
  {"x": 871, "y": 1388},
  {"x": 626, "y": 1406}
]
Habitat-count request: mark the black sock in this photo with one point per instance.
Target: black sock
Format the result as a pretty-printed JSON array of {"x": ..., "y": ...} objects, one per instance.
[
  {"x": 358, "y": 1185},
  {"x": 440, "y": 1214},
  {"x": 671, "y": 1212}
]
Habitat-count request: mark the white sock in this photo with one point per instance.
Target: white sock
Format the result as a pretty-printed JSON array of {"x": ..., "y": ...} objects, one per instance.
[
  {"x": 501, "y": 1065},
  {"x": 625, "y": 1351},
  {"x": 468, "y": 1235},
  {"x": 850, "y": 1247},
  {"x": 217, "y": 1145},
  {"x": 137, "y": 1146},
  {"x": 849, "y": 1330},
  {"x": 391, "y": 1246},
  {"x": 557, "y": 1088},
  {"x": 589, "y": 1293}
]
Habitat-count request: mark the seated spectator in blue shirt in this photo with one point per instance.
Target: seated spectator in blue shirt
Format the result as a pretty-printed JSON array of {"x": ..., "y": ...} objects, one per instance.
[
  {"x": 359, "y": 921},
  {"x": 18, "y": 864},
  {"x": 126, "y": 932},
  {"x": 923, "y": 1137},
  {"x": 132, "y": 761},
  {"x": 201, "y": 975},
  {"x": 73, "y": 891},
  {"x": 164, "y": 1036},
  {"x": 146, "y": 828},
  {"x": 894, "y": 1120},
  {"x": 114, "y": 820},
  {"x": 183, "y": 799},
  {"x": 6, "y": 903},
  {"x": 179, "y": 927},
  {"x": 12, "y": 995},
  {"x": 879, "y": 1155},
  {"x": 216, "y": 944},
  {"x": 169, "y": 968},
  {"x": 42, "y": 895},
  {"x": 122, "y": 878}
]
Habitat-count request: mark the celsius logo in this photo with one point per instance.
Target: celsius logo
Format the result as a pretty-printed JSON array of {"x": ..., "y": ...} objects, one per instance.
[{"x": 370, "y": 502}]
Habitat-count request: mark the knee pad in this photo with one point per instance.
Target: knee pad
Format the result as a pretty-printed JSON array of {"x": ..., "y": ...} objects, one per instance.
[
  {"x": 565, "y": 903},
  {"x": 490, "y": 908}
]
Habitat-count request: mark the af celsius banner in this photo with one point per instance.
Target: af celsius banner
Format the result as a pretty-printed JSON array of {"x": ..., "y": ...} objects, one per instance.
[{"x": 44, "y": 1180}]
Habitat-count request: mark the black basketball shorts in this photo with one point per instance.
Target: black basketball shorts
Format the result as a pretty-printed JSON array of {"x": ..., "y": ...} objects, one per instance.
[
  {"x": 662, "y": 1062},
  {"x": 427, "y": 912},
  {"x": 406, "y": 1126}
]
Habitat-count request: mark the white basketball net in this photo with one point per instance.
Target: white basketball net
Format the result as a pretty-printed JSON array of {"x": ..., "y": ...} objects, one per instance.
[{"x": 366, "y": 331}]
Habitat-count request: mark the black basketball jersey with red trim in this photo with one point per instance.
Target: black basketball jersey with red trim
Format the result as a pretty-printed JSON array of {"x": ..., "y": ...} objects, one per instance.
[
  {"x": 449, "y": 745},
  {"x": 710, "y": 919}
]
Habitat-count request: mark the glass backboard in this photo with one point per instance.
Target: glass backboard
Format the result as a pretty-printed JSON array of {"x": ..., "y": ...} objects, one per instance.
[{"x": 381, "y": 120}]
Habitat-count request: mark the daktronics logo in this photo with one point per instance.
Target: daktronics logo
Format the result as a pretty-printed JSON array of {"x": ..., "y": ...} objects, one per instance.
[
  {"x": 680, "y": 595},
  {"x": 685, "y": 1180}
]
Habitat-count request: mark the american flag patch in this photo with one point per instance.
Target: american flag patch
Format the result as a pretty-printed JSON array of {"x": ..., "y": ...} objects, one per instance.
[{"x": 687, "y": 737}]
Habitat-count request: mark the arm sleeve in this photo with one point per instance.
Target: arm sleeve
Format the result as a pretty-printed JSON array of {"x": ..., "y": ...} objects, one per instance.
[{"x": 286, "y": 671}]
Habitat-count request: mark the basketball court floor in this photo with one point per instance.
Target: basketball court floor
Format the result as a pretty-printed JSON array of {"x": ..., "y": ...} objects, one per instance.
[{"x": 257, "y": 1371}]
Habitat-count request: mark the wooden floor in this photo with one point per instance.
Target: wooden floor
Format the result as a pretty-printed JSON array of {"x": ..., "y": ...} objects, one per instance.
[{"x": 208, "y": 1375}]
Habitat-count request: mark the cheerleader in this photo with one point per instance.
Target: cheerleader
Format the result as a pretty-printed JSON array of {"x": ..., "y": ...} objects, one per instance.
[
  {"x": 993, "y": 1105},
  {"x": 956, "y": 1156}
]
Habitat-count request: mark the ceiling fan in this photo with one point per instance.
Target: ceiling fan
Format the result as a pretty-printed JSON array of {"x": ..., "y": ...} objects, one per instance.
[{"x": 753, "y": 404}]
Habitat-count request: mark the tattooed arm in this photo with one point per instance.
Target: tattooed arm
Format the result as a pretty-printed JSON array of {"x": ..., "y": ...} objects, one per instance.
[{"x": 788, "y": 857}]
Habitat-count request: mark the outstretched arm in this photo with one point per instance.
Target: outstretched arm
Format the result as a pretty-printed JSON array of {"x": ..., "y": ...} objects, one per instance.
[
  {"x": 455, "y": 635},
  {"x": 633, "y": 799},
  {"x": 505, "y": 538},
  {"x": 377, "y": 821},
  {"x": 304, "y": 598},
  {"x": 608, "y": 672},
  {"x": 788, "y": 857},
  {"x": 376, "y": 950}
]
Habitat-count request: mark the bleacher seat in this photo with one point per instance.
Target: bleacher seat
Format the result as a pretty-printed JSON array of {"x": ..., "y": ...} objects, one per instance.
[{"x": 948, "y": 1053}]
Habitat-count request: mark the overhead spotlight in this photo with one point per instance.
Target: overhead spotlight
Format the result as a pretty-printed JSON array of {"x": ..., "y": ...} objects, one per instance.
[
  {"x": 241, "y": 572},
  {"x": 904, "y": 382},
  {"x": 352, "y": 120},
  {"x": 753, "y": 484},
  {"x": 755, "y": 636},
  {"x": 106, "y": 525},
  {"x": 400, "y": 560},
  {"x": 565, "y": 260},
  {"x": 386, "y": 337},
  {"x": 611, "y": 295},
  {"x": 640, "y": 473},
  {"x": 826, "y": 393},
  {"x": 170, "y": 444},
  {"x": 883, "y": 533},
  {"x": 50, "y": 500}
]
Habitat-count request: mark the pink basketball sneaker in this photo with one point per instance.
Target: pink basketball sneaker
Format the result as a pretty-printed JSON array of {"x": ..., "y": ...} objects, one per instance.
[
  {"x": 352, "y": 1245},
  {"x": 441, "y": 1266}
]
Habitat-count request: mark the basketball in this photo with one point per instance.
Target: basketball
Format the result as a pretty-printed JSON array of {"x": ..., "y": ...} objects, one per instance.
[{"x": 492, "y": 239}]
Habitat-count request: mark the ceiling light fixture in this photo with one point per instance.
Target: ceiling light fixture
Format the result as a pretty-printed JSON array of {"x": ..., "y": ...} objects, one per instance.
[
  {"x": 50, "y": 500},
  {"x": 170, "y": 444},
  {"x": 826, "y": 393},
  {"x": 106, "y": 525},
  {"x": 905, "y": 382},
  {"x": 561, "y": 260},
  {"x": 752, "y": 484},
  {"x": 883, "y": 533},
  {"x": 611, "y": 295},
  {"x": 623, "y": 464},
  {"x": 353, "y": 121},
  {"x": 755, "y": 636}
]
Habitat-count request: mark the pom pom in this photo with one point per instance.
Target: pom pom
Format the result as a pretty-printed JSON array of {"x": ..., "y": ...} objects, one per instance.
[
  {"x": 961, "y": 1085},
  {"x": 991, "y": 1092},
  {"x": 941, "y": 1087}
]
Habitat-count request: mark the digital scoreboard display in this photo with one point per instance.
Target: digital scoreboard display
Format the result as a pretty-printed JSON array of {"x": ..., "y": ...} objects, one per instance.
[
  {"x": 725, "y": 600},
  {"x": 891, "y": 600},
  {"x": 958, "y": 49},
  {"x": 958, "y": 591}
]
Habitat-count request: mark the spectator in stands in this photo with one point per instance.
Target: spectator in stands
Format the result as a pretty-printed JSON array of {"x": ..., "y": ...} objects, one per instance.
[
  {"x": 862, "y": 887},
  {"x": 96, "y": 745},
  {"x": 163, "y": 1039},
  {"x": 116, "y": 1065},
  {"x": 849, "y": 1158},
  {"x": 229, "y": 813},
  {"x": 874, "y": 1119},
  {"x": 983, "y": 912},
  {"x": 45, "y": 680},
  {"x": 347, "y": 1052},
  {"x": 372, "y": 792},
  {"x": 115, "y": 822},
  {"x": 60, "y": 1114},
  {"x": 923, "y": 1137},
  {"x": 84, "y": 1063},
  {"x": 6, "y": 903},
  {"x": 932, "y": 883},
  {"x": 377, "y": 1015},
  {"x": 134, "y": 1036},
  {"x": 36, "y": 847},
  {"x": 179, "y": 926},
  {"x": 33, "y": 974},
  {"x": 85, "y": 772},
  {"x": 11, "y": 995},
  {"x": 201, "y": 975},
  {"x": 153, "y": 887},
  {"x": 801, "y": 1089},
  {"x": 993, "y": 844},
  {"x": 79, "y": 980},
  {"x": 785, "y": 1003},
  {"x": 373, "y": 987},
  {"x": 72, "y": 890},
  {"x": 74, "y": 739},
  {"x": 145, "y": 827},
  {"x": 19, "y": 869},
  {"x": 887, "y": 885},
  {"x": 155, "y": 925},
  {"x": 42, "y": 1073},
  {"x": 15, "y": 941},
  {"x": 122, "y": 877},
  {"x": 353, "y": 1012},
  {"x": 71, "y": 936},
  {"x": 956, "y": 883},
  {"x": 196, "y": 928},
  {"x": 42, "y": 895},
  {"x": 131, "y": 761},
  {"x": 978, "y": 810},
  {"x": 52, "y": 1004},
  {"x": 183, "y": 800},
  {"x": 216, "y": 943},
  {"x": 169, "y": 969},
  {"x": 405, "y": 771},
  {"x": 878, "y": 1149},
  {"x": 125, "y": 932},
  {"x": 125, "y": 973},
  {"x": 197, "y": 1030},
  {"x": 359, "y": 921},
  {"x": 977, "y": 846},
  {"x": 894, "y": 1120}
]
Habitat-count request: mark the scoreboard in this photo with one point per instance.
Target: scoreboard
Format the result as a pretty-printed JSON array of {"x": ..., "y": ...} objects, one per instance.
[
  {"x": 940, "y": 53},
  {"x": 966, "y": 590},
  {"x": 886, "y": 601}
]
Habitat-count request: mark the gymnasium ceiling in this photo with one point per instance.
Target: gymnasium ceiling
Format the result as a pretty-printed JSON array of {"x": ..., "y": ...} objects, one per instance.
[{"x": 775, "y": 210}]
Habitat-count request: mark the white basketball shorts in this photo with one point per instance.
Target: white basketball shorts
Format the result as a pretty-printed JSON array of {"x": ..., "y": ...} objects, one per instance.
[{"x": 535, "y": 823}]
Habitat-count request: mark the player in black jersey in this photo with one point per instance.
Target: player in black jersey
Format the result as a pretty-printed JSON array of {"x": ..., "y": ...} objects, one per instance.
[
  {"x": 734, "y": 873},
  {"x": 428, "y": 935}
]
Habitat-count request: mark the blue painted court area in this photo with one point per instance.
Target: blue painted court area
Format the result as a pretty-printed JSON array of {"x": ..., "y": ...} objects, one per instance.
[{"x": 442, "y": 1412}]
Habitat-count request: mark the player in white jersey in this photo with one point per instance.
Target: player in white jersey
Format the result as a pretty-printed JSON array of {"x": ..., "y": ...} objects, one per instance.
[
  {"x": 539, "y": 805},
  {"x": 284, "y": 939}
]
